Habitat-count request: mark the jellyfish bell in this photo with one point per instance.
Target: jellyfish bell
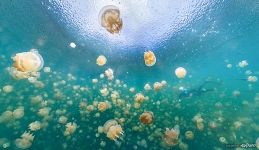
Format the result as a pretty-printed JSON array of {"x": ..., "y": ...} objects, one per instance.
[
  {"x": 30, "y": 61},
  {"x": 113, "y": 130},
  {"x": 171, "y": 136},
  {"x": 180, "y": 72},
  {"x": 146, "y": 117},
  {"x": 149, "y": 58},
  {"x": 101, "y": 60},
  {"x": 109, "y": 18}
]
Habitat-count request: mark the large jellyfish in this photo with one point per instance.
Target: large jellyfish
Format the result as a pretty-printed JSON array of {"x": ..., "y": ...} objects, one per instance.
[
  {"x": 109, "y": 18},
  {"x": 113, "y": 130},
  {"x": 26, "y": 65},
  {"x": 146, "y": 117},
  {"x": 28, "y": 61},
  {"x": 171, "y": 136}
]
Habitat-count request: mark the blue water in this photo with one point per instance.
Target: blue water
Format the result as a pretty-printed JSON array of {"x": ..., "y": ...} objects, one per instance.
[{"x": 201, "y": 36}]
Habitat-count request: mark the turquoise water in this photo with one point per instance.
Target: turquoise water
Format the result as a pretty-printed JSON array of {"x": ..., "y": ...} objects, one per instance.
[{"x": 205, "y": 37}]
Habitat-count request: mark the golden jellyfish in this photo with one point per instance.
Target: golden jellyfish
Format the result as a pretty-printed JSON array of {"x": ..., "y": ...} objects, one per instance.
[
  {"x": 109, "y": 18},
  {"x": 25, "y": 141},
  {"x": 34, "y": 126},
  {"x": 102, "y": 106},
  {"x": 157, "y": 86},
  {"x": 30, "y": 61},
  {"x": 113, "y": 130},
  {"x": 150, "y": 58},
  {"x": 180, "y": 72},
  {"x": 139, "y": 98},
  {"x": 101, "y": 60},
  {"x": 146, "y": 117},
  {"x": 70, "y": 128},
  {"x": 171, "y": 136}
]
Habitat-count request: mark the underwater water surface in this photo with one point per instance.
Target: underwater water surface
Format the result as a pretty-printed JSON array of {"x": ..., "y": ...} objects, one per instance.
[{"x": 179, "y": 74}]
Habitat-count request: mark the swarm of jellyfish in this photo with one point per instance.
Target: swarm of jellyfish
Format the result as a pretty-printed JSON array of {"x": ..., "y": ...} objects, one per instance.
[{"x": 111, "y": 113}]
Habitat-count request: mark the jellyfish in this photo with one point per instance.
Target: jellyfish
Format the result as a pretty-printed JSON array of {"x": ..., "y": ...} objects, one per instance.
[
  {"x": 146, "y": 117},
  {"x": 30, "y": 61},
  {"x": 101, "y": 60},
  {"x": 8, "y": 89},
  {"x": 180, "y": 72},
  {"x": 62, "y": 119},
  {"x": 113, "y": 130},
  {"x": 243, "y": 63},
  {"x": 189, "y": 135},
  {"x": 109, "y": 74},
  {"x": 150, "y": 58},
  {"x": 109, "y": 18},
  {"x": 252, "y": 79},
  {"x": 34, "y": 126},
  {"x": 147, "y": 87},
  {"x": 157, "y": 86},
  {"x": 18, "y": 113},
  {"x": 171, "y": 137},
  {"x": 25, "y": 141},
  {"x": 70, "y": 128},
  {"x": 139, "y": 98},
  {"x": 102, "y": 106}
]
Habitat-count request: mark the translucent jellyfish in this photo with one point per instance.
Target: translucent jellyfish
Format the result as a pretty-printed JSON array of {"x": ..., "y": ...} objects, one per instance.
[
  {"x": 237, "y": 124},
  {"x": 94, "y": 81},
  {"x": 70, "y": 128},
  {"x": 229, "y": 66},
  {"x": 109, "y": 74},
  {"x": 252, "y": 79},
  {"x": 25, "y": 141},
  {"x": 113, "y": 130},
  {"x": 150, "y": 58},
  {"x": 34, "y": 126},
  {"x": 109, "y": 18},
  {"x": 171, "y": 137},
  {"x": 8, "y": 89},
  {"x": 139, "y": 98},
  {"x": 223, "y": 140},
  {"x": 30, "y": 61},
  {"x": 6, "y": 116},
  {"x": 180, "y": 72},
  {"x": 104, "y": 92},
  {"x": 189, "y": 135},
  {"x": 243, "y": 63},
  {"x": 44, "y": 112},
  {"x": 146, "y": 117},
  {"x": 4, "y": 143},
  {"x": 157, "y": 86},
  {"x": 62, "y": 119},
  {"x": 47, "y": 69},
  {"x": 18, "y": 113},
  {"x": 101, "y": 60},
  {"x": 102, "y": 106},
  {"x": 72, "y": 45},
  {"x": 147, "y": 87}
]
